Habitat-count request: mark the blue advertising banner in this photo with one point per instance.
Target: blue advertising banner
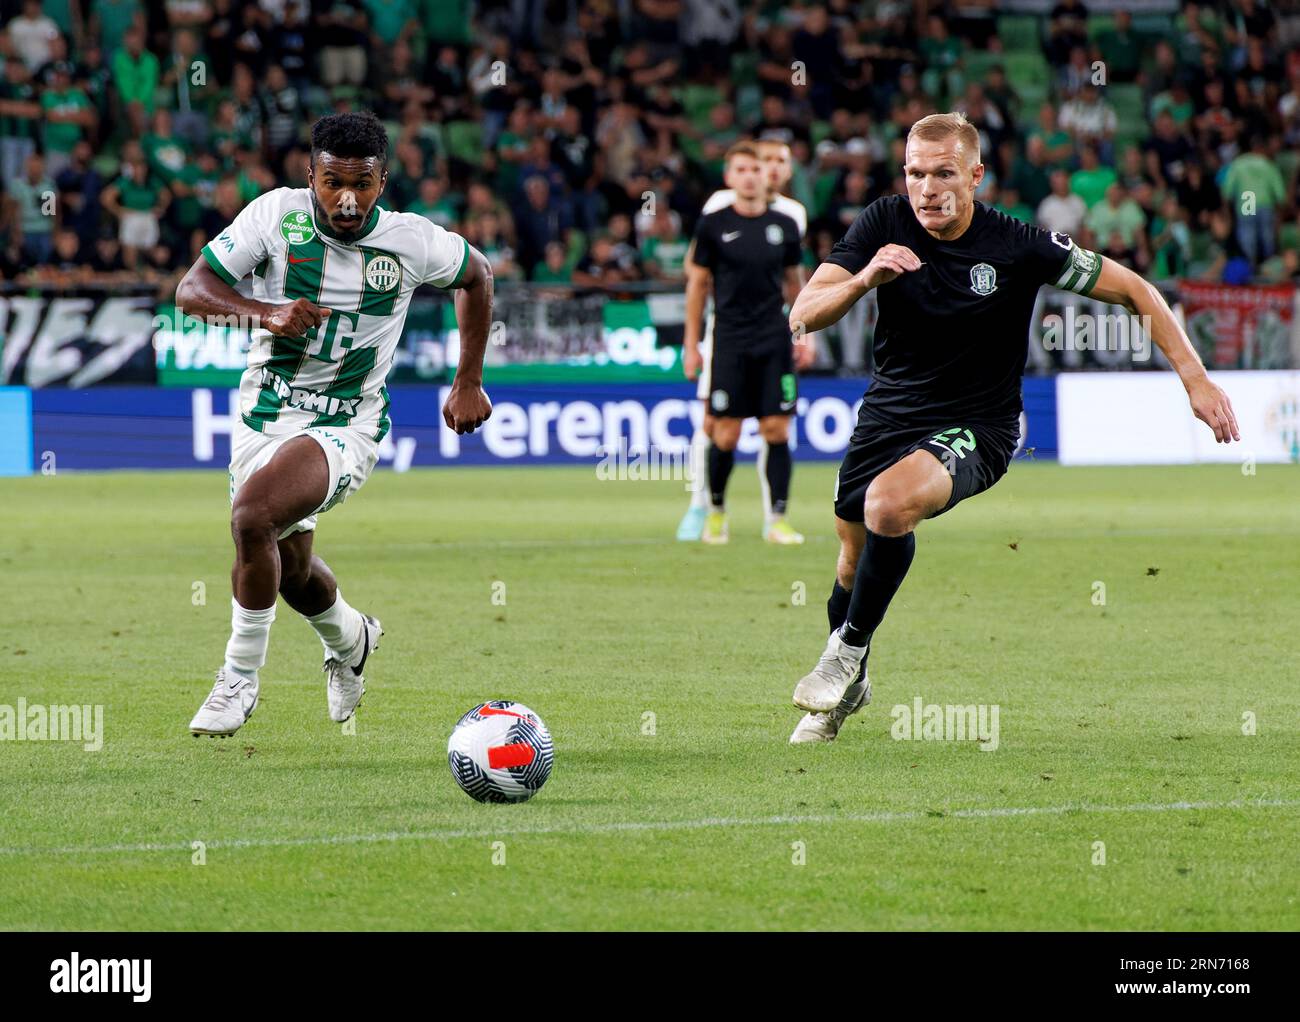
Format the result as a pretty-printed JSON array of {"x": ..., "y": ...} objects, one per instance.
[
  {"x": 15, "y": 431},
  {"x": 127, "y": 427}
]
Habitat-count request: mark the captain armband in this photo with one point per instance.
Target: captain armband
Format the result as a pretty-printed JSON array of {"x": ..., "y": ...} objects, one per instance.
[{"x": 1080, "y": 272}]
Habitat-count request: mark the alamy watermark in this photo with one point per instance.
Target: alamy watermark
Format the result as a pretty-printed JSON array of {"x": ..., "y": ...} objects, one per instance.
[
  {"x": 647, "y": 464},
  {"x": 930, "y": 722},
  {"x": 1098, "y": 331},
  {"x": 36, "y": 722}
]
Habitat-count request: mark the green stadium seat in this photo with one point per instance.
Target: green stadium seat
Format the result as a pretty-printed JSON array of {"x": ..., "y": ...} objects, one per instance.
[
  {"x": 1027, "y": 68},
  {"x": 1020, "y": 32},
  {"x": 1126, "y": 100},
  {"x": 978, "y": 63}
]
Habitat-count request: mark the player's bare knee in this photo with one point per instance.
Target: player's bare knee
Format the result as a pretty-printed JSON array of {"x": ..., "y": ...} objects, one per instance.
[
  {"x": 251, "y": 525},
  {"x": 775, "y": 430},
  {"x": 846, "y": 570},
  {"x": 726, "y": 434},
  {"x": 889, "y": 512}
]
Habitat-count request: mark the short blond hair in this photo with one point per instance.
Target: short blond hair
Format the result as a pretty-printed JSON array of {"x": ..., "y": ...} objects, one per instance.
[{"x": 939, "y": 127}]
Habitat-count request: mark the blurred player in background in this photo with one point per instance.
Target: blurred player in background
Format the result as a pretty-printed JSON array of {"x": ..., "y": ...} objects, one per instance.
[
  {"x": 326, "y": 276},
  {"x": 957, "y": 285},
  {"x": 777, "y": 164},
  {"x": 749, "y": 255}
]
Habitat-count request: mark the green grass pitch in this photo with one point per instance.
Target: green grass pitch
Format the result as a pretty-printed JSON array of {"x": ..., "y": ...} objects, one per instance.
[{"x": 1119, "y": 723}]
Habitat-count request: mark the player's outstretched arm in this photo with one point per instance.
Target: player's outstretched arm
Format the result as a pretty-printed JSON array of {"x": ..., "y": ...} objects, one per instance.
[
  {"x": 1121, "y": 286},
  {"x": 467, "y": 407},
  {"x": 833, "y": 289},
  {"x": 204, "y": 295},
  {"x": 698, "y": 282}
]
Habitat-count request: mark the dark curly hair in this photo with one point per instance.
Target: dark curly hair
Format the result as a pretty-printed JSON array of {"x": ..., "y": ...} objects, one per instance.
[{"x": 352, "y": 134}]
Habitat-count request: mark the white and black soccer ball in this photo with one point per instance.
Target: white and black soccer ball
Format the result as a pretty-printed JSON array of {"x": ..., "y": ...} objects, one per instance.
[{"x": 500, "y": 752}]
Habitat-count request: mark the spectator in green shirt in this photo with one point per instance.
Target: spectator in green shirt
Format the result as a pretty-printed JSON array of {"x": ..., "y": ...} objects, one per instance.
[
  {"x": 433, "y": 205},
  {"x": 1122, "y": 48},
  {"x": 1091, "y": 180},
  {"x": 33, "y": 195},
  {"x": 1253, "y": 189},
  {"x": 663, "y": 253},
  {"x": 164, "y": 150},
  {"x": 554, "y": 268},
  {"x": 68, "y": 116},
  {"x": 1057, "y": 143},
  {"x": 391, "y": 20},
  {"x": 1119, "y": 214},
  {"x": 138, "y": 200},
  {"x": 20, "y": 119},
  {"x": 112, "y": 18},
  {"x": 1010, "y": 203},
  {"x": 136, "y": 75}
]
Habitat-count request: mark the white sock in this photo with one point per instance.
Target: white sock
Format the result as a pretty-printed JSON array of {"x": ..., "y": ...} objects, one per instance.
[
  {"x": 700, "y": 469},
  {"x": 340, "y": 629},
  {"x": 250, "y": 633}
]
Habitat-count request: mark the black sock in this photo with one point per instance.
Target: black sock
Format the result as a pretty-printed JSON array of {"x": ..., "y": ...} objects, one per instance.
[
  {"x": 720, "y": 464},
  {"x": 779, "y": 468},
  {"x": 881, "y": 568},
  {"x": 837, "y": 607}
]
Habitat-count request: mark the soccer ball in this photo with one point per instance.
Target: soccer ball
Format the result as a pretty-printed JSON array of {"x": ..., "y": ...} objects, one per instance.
[{"x": 500, "y": 752}]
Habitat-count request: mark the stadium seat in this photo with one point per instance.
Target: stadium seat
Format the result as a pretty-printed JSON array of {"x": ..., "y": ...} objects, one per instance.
[
  {"x": 978, "y": 63},
  {"x": 1126, "y": 100},
  {"x": 1020, "y": 33}
]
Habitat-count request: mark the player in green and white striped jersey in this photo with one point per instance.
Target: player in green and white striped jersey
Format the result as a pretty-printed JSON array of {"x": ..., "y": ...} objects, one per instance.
[{"x": 325, "y": 276}]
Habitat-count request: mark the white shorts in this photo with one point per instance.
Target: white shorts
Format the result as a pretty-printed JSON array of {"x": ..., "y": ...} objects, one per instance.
[
  {"x": 351, "y": 454},
  {"x": 138, "y": 229},
  {"x": 705, "y": 383}
]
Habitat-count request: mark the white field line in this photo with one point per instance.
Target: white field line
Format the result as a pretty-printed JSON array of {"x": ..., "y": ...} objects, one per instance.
[{"x": 637, "y": 826}]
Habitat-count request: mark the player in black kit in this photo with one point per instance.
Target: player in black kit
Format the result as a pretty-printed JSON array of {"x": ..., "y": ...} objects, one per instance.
[
  {"x": 750, "y": 255},
  {"x": 957, "y": 283}
]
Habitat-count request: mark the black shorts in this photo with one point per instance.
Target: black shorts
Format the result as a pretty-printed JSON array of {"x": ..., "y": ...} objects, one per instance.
[
  {"x": 976, "y": 455},
  {"x": 747, "y": 382}
]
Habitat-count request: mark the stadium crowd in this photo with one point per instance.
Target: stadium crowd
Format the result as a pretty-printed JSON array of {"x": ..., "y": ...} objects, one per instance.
[{"x": 574, "y": 141}]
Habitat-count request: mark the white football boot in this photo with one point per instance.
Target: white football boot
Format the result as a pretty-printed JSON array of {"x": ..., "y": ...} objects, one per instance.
[
  {"x": 823, "y": 727},
  {"x": 821, "y": 690},
  {"x": 346, "y": 685},
  {"x": 228, "y": 706}
]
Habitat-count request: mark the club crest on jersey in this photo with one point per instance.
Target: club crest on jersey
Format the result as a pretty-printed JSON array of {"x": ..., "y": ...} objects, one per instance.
[
  {"x": 983, "y": 279},
  {"x": 382, "y": 272},
  {"x": 775, "y": 235},
  {"x": 296, "y": 228}
]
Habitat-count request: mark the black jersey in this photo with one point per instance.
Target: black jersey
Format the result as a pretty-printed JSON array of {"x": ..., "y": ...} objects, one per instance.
[
  {"x": 952, "y": 337},
  {"x": 748, "y": 256}
]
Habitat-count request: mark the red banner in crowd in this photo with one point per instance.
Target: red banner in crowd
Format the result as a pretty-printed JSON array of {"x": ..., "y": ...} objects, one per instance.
[{"x": 1240, "y": 327}]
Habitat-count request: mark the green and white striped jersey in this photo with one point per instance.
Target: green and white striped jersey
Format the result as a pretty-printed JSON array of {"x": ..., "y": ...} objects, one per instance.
[{"x": 276, "y": 252}]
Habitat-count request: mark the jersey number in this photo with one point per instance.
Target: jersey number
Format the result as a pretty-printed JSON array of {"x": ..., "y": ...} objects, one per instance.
[{"x": 330, "y": 341}]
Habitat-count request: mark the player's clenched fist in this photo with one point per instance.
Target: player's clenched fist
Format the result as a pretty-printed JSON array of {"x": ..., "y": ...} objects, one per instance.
[
  {"x": 295, "y": 318},
  {"x": 888, "y": 262},
  {"x": 467, "y": 407}
]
